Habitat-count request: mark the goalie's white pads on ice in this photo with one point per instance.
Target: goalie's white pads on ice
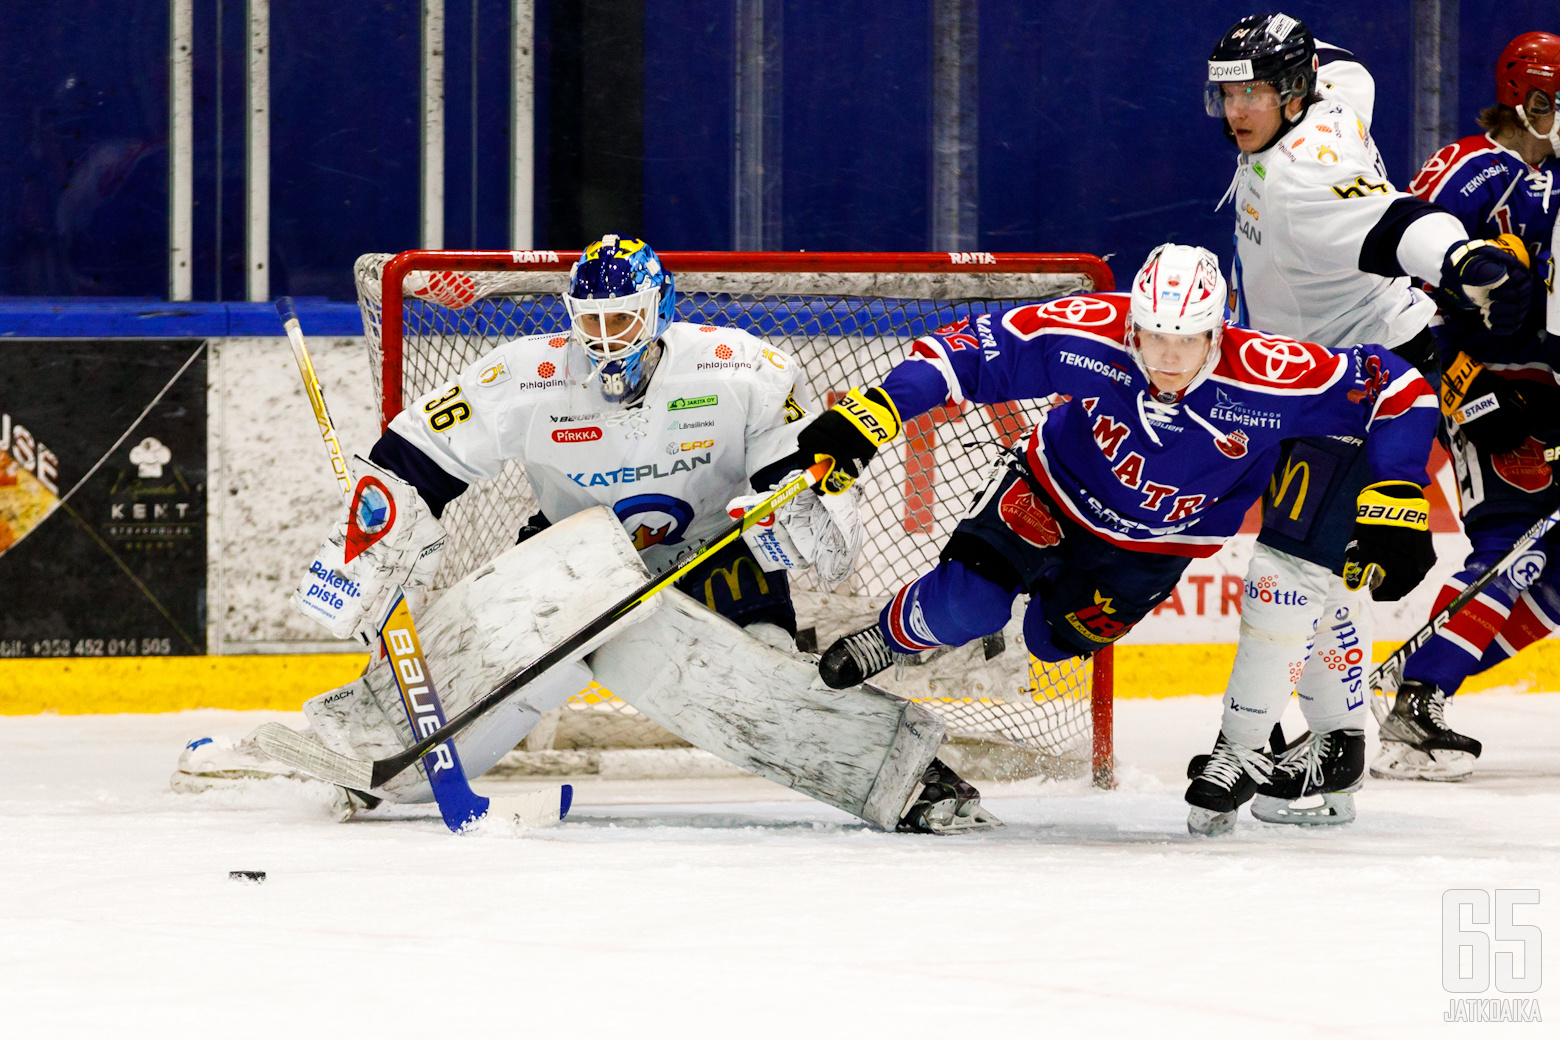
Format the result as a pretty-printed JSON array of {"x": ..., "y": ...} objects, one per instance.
[
  {"x": 703, "y": 678},
  {"x": 821, "y": 531},
  {"x": 484, "y": 628},
  {"x": 225, "y": 764},
  {"x": 386, "y": 537}
]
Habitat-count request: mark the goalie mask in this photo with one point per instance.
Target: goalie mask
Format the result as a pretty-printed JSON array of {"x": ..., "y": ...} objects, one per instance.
[
  {"x": 1178, "y": 292},
  {"x": 620, "y": 301}
]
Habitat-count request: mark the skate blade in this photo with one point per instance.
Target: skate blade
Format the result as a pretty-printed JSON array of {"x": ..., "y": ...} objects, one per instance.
[
  {"x": 944, "y": 818},
  {"x": 1206, "y": 823},
  {"x": 1400, "y": 761},
  {"x": 1337, "y": 808}
]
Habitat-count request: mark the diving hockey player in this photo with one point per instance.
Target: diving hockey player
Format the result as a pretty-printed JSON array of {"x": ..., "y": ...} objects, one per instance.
[
  {"x": 671, "y": 426},
  {"x": 1501, "y": 407},
  {"x": 1171, "y": 426},
  {"x": 1324, "y": 250}
]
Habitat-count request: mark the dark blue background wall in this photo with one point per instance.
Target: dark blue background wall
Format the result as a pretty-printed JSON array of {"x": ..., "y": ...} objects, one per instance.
[{"x": 1092, "y": 135}]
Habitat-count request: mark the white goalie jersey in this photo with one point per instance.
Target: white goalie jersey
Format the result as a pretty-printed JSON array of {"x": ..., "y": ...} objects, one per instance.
[{"x": 721, "y": 406}]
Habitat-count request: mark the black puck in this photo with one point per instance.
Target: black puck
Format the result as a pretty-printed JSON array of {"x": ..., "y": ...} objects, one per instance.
[{"x": 251, "y": 877}]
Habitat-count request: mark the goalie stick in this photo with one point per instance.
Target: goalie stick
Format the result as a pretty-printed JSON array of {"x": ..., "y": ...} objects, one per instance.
[
  {"x": 1391, "y": 670},
  {"x": 298, "y": 751},
  {"x": 459, "y": 805}
]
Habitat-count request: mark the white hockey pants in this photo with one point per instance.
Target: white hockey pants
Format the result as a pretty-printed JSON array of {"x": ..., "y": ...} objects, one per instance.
[{"x": 1299, "y": 629}]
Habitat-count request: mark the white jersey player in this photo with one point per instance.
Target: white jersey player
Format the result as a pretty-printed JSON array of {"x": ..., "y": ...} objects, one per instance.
[
  {"x": 669, "y": 427},
  {"x": 665, "y": 422},
  {"x": 1325, "y": 250}
]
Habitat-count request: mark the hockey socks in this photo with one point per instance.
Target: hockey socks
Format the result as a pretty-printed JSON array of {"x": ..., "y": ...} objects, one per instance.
[{"x": 949, "y": 605}]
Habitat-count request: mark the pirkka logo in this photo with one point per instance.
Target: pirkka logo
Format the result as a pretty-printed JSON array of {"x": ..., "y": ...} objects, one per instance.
[{"x": 577, "y": 434}]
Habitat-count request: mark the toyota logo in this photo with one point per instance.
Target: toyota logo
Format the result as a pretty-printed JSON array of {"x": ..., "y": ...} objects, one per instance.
[
  {"x": 1276, "y": 360},
  {"x": 1080, "y": 310}
]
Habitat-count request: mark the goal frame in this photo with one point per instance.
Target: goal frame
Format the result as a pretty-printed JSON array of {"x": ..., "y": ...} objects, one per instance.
[{"x": 1102, "y": 679}]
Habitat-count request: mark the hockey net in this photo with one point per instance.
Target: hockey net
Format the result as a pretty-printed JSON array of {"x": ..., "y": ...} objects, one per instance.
[{"x": 848, "y": 318}]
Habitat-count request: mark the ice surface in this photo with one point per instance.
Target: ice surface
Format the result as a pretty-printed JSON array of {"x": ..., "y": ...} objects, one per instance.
[{"x": 735, "y": 908}]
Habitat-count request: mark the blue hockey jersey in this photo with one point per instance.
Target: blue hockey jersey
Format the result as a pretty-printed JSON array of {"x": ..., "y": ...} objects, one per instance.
[
  {"x": 1493, "y": 191},
  {"x": 1176, "y": 478}
]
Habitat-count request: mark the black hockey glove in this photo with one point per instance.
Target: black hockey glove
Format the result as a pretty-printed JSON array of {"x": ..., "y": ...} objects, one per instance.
[
  {"x": 1391, "y": 551},
  {"x": 1492, "y": 412},
  {"x": 850, "y": 433},
  {"x": 1491, "y": 277}
]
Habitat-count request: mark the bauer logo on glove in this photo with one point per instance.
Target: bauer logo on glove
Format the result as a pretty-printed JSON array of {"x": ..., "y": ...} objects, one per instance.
[{"x": 1392, "y": 550}]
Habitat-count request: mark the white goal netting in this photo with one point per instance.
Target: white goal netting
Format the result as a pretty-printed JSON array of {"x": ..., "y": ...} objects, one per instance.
[{"x": 1010, "y": 714}]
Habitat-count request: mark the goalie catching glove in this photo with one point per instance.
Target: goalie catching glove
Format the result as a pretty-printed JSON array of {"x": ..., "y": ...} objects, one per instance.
[
  {"x": 821, "y": 531},
  {"x": 850, "y": 434},
  {"x": 1490, "y": 276},
  {"x": 387, "y": 538},
  {"x": 1392, "y": 539}
]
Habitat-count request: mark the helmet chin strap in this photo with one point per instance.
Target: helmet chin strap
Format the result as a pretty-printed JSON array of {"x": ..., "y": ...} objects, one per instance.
[{"x": 1553, "y": 137}]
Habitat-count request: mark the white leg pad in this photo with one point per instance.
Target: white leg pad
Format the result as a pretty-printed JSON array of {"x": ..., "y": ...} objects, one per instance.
[
  {"x": 1283, "y": 600},
  {"x": 703, "y": 678},
  {"x": 1334, "y": 687},
  {"x": 488, "y": 625}
]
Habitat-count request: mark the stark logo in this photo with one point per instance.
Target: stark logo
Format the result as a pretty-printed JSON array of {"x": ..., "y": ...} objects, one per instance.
[
  {"x": 1094, "y": 622},
  {"x": 1027, "y": 516}
]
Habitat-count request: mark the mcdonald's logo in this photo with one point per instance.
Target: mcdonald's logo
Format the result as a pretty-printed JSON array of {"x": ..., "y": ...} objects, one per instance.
[
  {"x": 733, "y": 580},
  {"x": 1292, "y": 468}
]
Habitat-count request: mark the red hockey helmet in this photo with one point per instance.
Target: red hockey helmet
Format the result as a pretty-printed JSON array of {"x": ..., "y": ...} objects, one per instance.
[{"x": 1530, "y": 62}]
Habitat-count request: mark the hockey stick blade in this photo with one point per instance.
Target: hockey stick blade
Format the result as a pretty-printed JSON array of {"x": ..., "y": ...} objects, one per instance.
[
  {"x": 308, "y": 756},
  {"x": 1392, "y": 667}
]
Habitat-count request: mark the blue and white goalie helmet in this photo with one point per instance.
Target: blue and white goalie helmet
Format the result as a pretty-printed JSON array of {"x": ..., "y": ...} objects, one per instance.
[{"x": 620, "y": 302}]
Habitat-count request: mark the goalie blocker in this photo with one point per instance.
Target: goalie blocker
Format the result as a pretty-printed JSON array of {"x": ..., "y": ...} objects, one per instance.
[{"x": 702, "y": 677}]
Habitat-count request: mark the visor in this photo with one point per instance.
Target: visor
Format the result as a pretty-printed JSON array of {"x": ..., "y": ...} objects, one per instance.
[{"x": 1218, "y": 96}]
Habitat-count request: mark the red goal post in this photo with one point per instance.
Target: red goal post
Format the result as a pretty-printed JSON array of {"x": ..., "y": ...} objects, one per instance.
[{"x": 847, "y": 316}]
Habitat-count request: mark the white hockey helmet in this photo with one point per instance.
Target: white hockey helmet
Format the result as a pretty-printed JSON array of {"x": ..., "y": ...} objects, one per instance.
[{"x": 1179, "y": 291}]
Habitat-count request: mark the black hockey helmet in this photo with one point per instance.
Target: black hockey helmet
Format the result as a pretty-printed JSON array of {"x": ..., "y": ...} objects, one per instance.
[{"x": 1263, "y": 48}]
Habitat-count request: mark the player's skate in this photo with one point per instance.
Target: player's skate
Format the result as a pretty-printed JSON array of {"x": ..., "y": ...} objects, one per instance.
[
  {"x": 946, "y": 804},
  {"x": 222, "y": 763},
  {"x": 1331, "y": 765},
  {"x": 855, "y": 658},
  {"x": 1416, "y": 742},
  {"x": 1221, "y": 783}
]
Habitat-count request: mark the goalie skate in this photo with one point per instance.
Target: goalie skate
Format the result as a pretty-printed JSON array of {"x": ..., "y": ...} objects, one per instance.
[
  {"x": 1329, "y": 766},
  {"x": 946, "y": 804},
  {"x": 225, "y": 764}
]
